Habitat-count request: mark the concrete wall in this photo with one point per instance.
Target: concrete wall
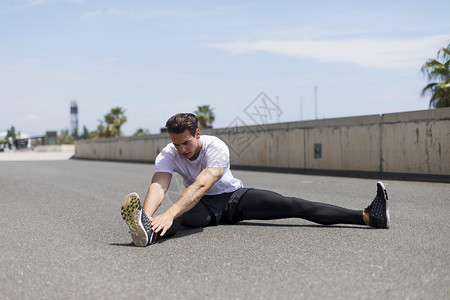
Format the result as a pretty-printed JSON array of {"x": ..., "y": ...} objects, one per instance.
[
  {"x": 416, "y": 143},
  {"x": 140, "y": 148},
  {"x": 413, "y": 142},
  {"x": 55, "y": 148}
]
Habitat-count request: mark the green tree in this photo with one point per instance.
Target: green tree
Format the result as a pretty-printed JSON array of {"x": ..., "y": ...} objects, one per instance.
[
  {"x": 113, "y": 121},
  {"x": 101, "y": 131},
  {"x": 438, "y": 74},
  {"x": 141, "y": 132},
  {"x": 65, "y": 138},
  {"x": 11, "y": 133},
  {"x": 85, "y": 133},
  {"x": 205, "y": 116}
]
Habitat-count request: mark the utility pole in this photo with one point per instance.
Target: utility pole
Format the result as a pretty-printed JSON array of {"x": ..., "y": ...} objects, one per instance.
[
  {"x": 301, "y": 108},
  {"x": 278, "y": 106},
  {"x": 315, "y": 97}
]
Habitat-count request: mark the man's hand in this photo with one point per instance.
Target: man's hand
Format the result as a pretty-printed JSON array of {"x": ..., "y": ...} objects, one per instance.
[
  {"x": 188, "y": 199},
  {"x": 162, "y": 222}
]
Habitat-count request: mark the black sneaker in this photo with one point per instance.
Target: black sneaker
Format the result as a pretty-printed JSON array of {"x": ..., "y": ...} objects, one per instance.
[
  {"x": 137, "y": 220},
  {"x": 378, "y": 210}
]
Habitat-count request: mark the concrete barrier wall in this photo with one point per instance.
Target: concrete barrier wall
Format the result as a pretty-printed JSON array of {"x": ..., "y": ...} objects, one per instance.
[
  {"x": 55, "y": 148},
  {"x": 141, "y": 148},
  {"x": 413, "y": 142}
]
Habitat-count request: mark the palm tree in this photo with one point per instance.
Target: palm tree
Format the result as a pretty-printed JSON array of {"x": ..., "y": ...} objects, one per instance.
[
  {"x": 118, "y": 118},
  {"x": 114, "y": 120},
  {"x": 439, "y": 72},
  {"x": 205, "y": 116}
]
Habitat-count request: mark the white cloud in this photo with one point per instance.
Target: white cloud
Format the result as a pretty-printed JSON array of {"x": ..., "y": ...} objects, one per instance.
[
  {"x": 8, "y": 7},
  {"x": 145, "y": 13},
  {"x": 29, "y": 117},
  {"x": 92, "y": 14},
  {"x": 110, "y": 60},
  {"x": 111, "y": 12},
  {"x": 372, "y": 53},
  {"x": 115, "y": 11}
]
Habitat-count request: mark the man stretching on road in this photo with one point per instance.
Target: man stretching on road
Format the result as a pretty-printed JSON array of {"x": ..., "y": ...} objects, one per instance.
[{"x": 214, "y": 196}]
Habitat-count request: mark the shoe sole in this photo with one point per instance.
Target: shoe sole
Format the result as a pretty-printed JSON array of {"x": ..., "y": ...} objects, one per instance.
[
  {"x": 388, "y": 218},
  {"x": 132, "y": 215}
]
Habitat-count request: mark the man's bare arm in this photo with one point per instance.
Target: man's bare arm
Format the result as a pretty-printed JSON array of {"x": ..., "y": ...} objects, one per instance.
[
  {"x": 156, "y": 191},
  {"x": 190, "y": 197}
]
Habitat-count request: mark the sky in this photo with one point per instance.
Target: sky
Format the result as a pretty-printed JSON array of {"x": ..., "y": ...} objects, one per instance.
[{"x": 158, "y": 58}]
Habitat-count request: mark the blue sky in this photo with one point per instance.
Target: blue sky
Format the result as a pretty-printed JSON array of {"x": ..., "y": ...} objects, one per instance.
[{"x": 157, "y": 58}]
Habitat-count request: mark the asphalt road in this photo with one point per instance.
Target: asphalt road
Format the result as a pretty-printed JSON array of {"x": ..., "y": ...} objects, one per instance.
[{"x": 62, "y": 236}]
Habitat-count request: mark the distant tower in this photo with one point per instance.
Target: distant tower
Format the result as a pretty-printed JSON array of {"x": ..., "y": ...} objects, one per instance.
[
  {"x": 74, "y": 118},
  {"x": 316, "y": 102}
]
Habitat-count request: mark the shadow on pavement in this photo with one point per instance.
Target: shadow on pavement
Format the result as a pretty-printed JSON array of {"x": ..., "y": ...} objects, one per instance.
[
  {"x": 184, "y": 231},
  {"x": 123, "y": 245},
  {"x": 301, "y": 225}
]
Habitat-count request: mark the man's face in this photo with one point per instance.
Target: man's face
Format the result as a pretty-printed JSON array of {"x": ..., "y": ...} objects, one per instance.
[{"x": 187, "y": 145}]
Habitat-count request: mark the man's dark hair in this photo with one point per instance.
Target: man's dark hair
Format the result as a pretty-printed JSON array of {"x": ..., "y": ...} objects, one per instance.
[{"x": 180, "y": 122}]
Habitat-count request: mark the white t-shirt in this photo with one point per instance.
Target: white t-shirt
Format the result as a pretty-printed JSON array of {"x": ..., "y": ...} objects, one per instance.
[{"x": 214, "y": 153}]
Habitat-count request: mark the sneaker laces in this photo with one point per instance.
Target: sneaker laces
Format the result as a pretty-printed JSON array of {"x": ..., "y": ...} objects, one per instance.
[
  {"x": 148, "y": 227},
  {"x": 378, "y": 201},
  {"x": 375, "y": 205}
]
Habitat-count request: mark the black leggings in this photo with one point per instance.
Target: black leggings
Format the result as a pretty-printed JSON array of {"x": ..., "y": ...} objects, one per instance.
[
  {"x": 198, "y": 216},
  {"x": 267, "y": 205},
  {"x": 258, "y": 204}
]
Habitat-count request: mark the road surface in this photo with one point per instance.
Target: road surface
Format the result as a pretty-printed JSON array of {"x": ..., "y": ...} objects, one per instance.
[{"x": 62, "y": 236}]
